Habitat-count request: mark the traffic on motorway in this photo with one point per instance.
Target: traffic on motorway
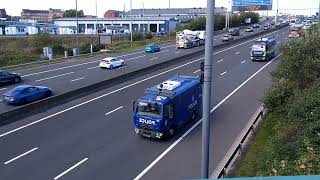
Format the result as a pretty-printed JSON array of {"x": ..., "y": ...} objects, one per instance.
[
  {"x": 63, "y": 77},
  {"x": 97, "y": 146}
]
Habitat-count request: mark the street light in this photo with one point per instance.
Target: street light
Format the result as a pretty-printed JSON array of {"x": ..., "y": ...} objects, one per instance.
[
  {"x": 77, "y": 23},
  {"x": 131, "y": 20},
  {"x": 207, "y": 89}
]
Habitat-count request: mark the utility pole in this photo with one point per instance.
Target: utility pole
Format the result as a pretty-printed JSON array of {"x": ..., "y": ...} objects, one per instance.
[
  {"x": 77, "y": 23},
  {"x": 207, "y": 89},
  {"x": 276, "y": 17},
  {"x": 169, "y": 4},
  {"x": 131, "y": 20},
  {"x": 319, "y": 13},
  {"x": 96, "y": 16}
]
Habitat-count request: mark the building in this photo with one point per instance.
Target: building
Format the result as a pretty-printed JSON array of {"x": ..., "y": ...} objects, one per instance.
[
  {"x": 183, "y": 14},
  {"x": 145, "y": 24},
  {"x": 3, "y": 13},
  {"x": 113, "y": 14},
  {"x": 55, "y": 13},
  {"x": 38, "y": 15}
]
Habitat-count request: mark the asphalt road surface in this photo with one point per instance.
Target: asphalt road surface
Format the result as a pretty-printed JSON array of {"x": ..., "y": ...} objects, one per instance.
[{"x": 93, "y": 137}]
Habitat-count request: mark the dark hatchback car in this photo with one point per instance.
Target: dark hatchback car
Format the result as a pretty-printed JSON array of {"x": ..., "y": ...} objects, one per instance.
[{"x": 9, "y": 78}]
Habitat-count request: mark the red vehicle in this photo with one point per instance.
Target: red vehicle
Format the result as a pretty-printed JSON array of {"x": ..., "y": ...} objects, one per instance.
[{"x": 295, "y": 31}]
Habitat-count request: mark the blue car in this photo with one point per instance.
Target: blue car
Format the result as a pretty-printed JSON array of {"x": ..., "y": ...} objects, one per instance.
[
  {"x": 25, "y": 94},
  {"x": 152, "y": 48}
]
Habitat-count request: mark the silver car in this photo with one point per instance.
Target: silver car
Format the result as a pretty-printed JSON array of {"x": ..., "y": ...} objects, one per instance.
[{"x": 227, "y": 37}]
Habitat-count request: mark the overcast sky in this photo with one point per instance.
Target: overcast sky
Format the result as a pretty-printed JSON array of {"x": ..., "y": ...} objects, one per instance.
[{"x": 14, "y": 7}]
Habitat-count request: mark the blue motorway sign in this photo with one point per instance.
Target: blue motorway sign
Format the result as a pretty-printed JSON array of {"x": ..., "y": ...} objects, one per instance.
[
  {"x": 251, "y": 5},
  {"x": 251, "y": 2}
]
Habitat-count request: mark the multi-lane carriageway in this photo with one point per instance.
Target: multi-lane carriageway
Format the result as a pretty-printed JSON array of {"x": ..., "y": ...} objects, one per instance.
[
  {"x": 93, "y": 137},
  {"x": 75, "y": 74}
]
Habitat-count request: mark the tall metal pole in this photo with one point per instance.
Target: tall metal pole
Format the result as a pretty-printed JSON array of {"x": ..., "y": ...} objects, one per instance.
[
  {"x": 131, "y": 20},
  {"x": 169, "y": 4},
  {"x": 207, "y": 89},
  {"x": 77, "y": 23},
  {"x": 276, "y": 17},
  {"x": 319, "y": 13},
  {"x": 96, "y": 16}
]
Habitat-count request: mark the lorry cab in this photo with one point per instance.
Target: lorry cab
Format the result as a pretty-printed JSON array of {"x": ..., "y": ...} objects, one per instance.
[
  {"x": 263, "y": 49},
  {"x": 166, "y": 107}
]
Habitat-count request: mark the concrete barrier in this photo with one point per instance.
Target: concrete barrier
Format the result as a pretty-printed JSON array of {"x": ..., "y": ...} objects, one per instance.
[{"x": 42, "y": 105}]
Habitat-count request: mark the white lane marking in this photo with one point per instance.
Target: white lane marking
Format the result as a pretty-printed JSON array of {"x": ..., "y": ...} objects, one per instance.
[
  {"x": 96, "y": 98},
  {"x": 3, "y": 89},
  {"x": 122, "y": 67},
  {"x": 94, "y": 67},
  {"x": 70, "y": 169},
  {"x": 161, "y": 52},
  {"x": 21, "y": 155},
  {"x": 125, "y": 87},
  {"x": 77, "y": 79},
  {"x": 220, "y": 60},
  {"x": 237, "y": 53},
  {"x": 53, "y": 77},
  {"x": 196, "y": 71},
  {"x": 223, "y": 73},
  {"x": 154, "y": 58},
  {"x": 278, "y": 42},
  {"x": 41, "y": 72},
  {"x": 177, "y": 52},
  {"x": 277, "y": 35},
  {"x": 136, "y": 57},
  {"x": 114, "y": 110},
  {"x": 195, "y": 125},
  {"x": 243, "y": 62}
]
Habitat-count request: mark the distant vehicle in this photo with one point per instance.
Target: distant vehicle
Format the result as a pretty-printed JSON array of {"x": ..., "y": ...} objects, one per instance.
[
  {"x": 227, "y": 37},
  {"x": 249, "y": 29},
  {"x": 234, "y": 31},
  {"x": 315, "y": 22},
  {"x": 187, "y": 39},
  {"x": 295, "y": 31},
  {"x": 293, "y": 22},
  {"x": 266, "y": 27},
  {"x": 166, "y": 107},
  {"x": 152, "y": 48},
  {"x": 25, "y": 93},
  {"x": 272, "y": 23},
  {"x": 256, "y": 26},
  {"x": 9, "y": 78},
  {"x": 263, "y": 49},
  {"x": 111, "y": 62},
  {"x": 306, "y": 26}
]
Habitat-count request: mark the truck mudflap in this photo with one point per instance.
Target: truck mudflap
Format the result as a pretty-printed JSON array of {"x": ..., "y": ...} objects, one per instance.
[{"x": 148, "y": 133}]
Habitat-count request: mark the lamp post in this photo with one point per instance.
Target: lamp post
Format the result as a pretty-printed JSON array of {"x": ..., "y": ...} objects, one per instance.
[
  {"x": 207, "y": 89},
  {"x": 131, "y": 20},
  {"x": 77, "y": 23}
]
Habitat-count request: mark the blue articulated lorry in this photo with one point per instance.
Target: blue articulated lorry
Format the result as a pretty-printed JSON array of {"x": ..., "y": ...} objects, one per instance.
[{"x": 166, "y": 107}]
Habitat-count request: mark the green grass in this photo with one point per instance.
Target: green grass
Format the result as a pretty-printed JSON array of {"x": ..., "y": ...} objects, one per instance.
[{"x": 254, "y": 158}]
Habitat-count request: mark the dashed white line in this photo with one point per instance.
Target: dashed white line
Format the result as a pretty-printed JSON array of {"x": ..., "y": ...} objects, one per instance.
[
  {"x": 3, "y": 89},
  {"x": 136, "y": 57},
  {"x": 278, "y": 42},
  {"x": 177, "y": 52},
  {"x": 54, "y": 77},
  {"x": 161, "y": 52},
  {"x": 77, "y": 79},
  {"x": 28, "y": 152},
  {"x": 114, "y": 110},
  {"x": 277, "y": 35},
  {"x": 243, "y": 62},
  {"x": 223, "y": 73},
  {"x": 139, "y": 176},
  {"x": 220, "y": 60},
  {"x": 154, "y": 58},
  {"x": 237, "y": 53},
  {"x": 94, "y": 67},
  {"x": 196, "y": 71},
  {"x": 70, "y": 169},
  {"x": 125, "y": 87}
]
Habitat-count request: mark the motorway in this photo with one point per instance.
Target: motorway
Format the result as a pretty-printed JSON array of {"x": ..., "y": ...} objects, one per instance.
[
  {"x": 74, "y": 74},
  {"x": 93, "y": 137}
]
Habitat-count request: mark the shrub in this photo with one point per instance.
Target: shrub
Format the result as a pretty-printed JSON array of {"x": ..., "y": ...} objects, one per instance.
[{"x": 149, "y": 36}]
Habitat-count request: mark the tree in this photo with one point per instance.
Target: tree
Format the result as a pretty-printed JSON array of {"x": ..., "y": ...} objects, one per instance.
[{"x": 72, "y": 13}]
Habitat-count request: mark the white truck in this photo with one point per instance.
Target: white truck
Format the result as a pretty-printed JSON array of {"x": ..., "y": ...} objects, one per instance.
[{"x": 188, "y": 39}]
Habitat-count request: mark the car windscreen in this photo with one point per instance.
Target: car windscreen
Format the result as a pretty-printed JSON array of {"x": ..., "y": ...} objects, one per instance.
[
  {"x": 14, "y": 91},
  {"x": 149, "y": 109},
  {"x": 258, "y": 47}
]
